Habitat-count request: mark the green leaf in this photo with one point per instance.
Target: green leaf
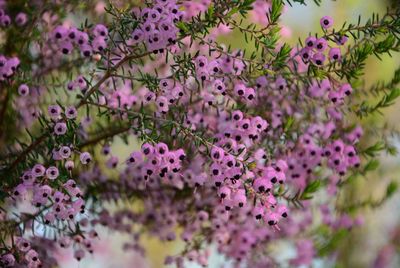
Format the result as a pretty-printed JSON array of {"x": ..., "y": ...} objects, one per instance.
[
  {"x": 181, "y": 25},
  {"x": 275, "y": 11},
  {"x": 312, "y": 187},
  {"x": 391, "y": 189},
  {"x": 288, "y": 124},
  {"x": 385, "y": 45},
  {"x": 333, "y": 242},
  {"x": 232, "y": 12},
  {"x": 282, "y": 56},
  {"x": 373, "y": 164},
  {"x": 394, "y": 94},
  {"x": 210, "y": 11},
  {"x": 374, "y": 149}
]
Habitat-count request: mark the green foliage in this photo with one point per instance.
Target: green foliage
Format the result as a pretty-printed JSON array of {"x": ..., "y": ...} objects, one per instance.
[
  {"x": 275, "y": 11},
  {"x": 373, "y": 150},
  {"x": 303, "y": 2},
  {"x": 282, "y": 56},
  {"x": 368, "y": 41},
  {"x": 288, "y": 124},
  {"x": 391, "y": 189},
  {"x": 372, "y": 164},
  {"x": 270, "y": 40},
  {"x": 242, "y": 6},
  {"x": 386, "y": 101},
  {"x": 333, "y": 242},
  {"x": 390, "y": 92},
  {"x": 311, "y": 188}
]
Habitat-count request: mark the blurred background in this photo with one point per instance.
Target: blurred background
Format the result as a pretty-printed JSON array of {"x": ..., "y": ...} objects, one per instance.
[{"x": 362, "y": 246}]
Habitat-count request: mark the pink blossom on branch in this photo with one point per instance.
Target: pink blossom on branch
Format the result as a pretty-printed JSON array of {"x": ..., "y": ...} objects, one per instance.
[{"x": 235, "y": 147}]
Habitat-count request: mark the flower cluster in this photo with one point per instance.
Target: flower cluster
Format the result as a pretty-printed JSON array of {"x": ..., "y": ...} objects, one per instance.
[
  {"x": 233, "y": 147},
  {"x": 5, "y": 20},
  {"x": 8, "y": 67},
  {"x": 63, "y": 203},
  {"x": 157, "y": 27},
  {"x": 64, "y": 40},
  {"x": 316, "y": 49},
  {"x": 156, "y": 162},
  {"x": 308, "y": 156},
  {"x": 170, "y": 92}
]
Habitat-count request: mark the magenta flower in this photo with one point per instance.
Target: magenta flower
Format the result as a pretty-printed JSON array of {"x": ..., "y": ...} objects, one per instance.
[
  {"x": 326, "y": 22},
  {"x": 335, "y": 54},
  {"x": 149, "y": 120},
  {"x": 60, "y": 128},
  {"x": 52, "y": 173},
  {"x": 85, "y": 158},
  {"x": 7, "y": 260},
  {"x": 23, "y": 90},
  {"x": 70, "y": 112},
  {"x": 38, "y": 170},
  {"x": 318, "y": 59},
  {"x": 21, "y": 19},
  {"x": 54, "y": 111}
]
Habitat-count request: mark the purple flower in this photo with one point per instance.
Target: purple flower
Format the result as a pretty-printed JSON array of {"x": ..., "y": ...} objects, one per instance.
[
  {"x": 29, "y": 177},
  {"x": 341, "y": 39},
  {"x": 60, "y": 128},
  {"x": 81, "y": 38},
  {"x": 135, "y": 158},
  {"x": 100, "y": 31},
  {"x": 5, "y": 20},
  {"x": 318, "y": 59},
  {"x": 69, "y": 165},
  {"x": 21, "y": 19},
  {"x": 311, "y": 42},
  {"x": 85, "y": 158},
  {"x": 346, "y": 89},
  {"x": 99, "y": 44},
  {"x": 321, "y": 44},
  {"x": 54, "y": 111},
  {"x": 326, "y": 22},
  {"x": 52, "y": 173},
  {"x": 79, "y": 254},
  {"x": 112, "y": 162},
  {"x": 335, "y": 54},
  {"x": 38, "y": 170},
  {"x": 306, "y": 54},
  {"x": 65, "y": 152},
  {"x": 7, "y": 260},
  {"x": 70, "y": 112},
  {"x": 23, "y": 244},
  {"x": 162, "y": 104},
  {"x": 66, "y": 47},
  {"x": 60, "y": 32},
  {"x": 32, "y": 256},
  {"x": 23, "y": 90},
  {"x": 86, "y": 50}
]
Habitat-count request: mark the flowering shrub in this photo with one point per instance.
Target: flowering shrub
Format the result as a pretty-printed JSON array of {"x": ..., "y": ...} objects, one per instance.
[{"x": 234, "y": 144}]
